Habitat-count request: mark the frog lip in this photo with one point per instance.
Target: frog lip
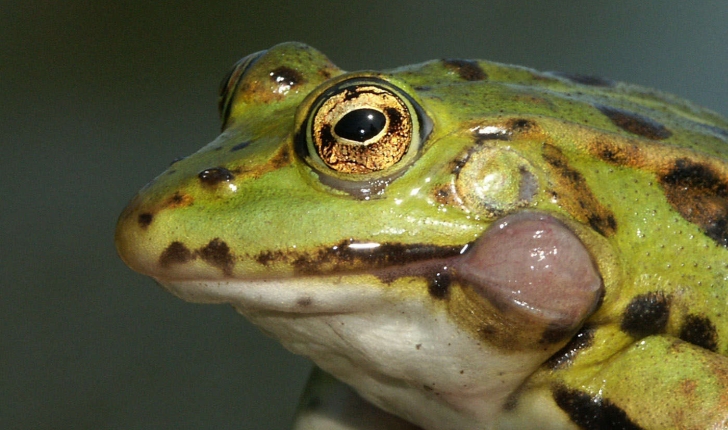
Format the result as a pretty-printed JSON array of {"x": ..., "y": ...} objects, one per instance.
[{"x": 528, "y": 263}]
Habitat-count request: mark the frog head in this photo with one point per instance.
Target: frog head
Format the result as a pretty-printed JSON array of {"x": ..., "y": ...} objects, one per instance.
[
  {"x": 369, "y": 224},
  {"x": 425, "y": 234}
]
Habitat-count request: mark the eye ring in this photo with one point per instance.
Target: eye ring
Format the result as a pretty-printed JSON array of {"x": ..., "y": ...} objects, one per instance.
[{"x": 362, "y": 127}]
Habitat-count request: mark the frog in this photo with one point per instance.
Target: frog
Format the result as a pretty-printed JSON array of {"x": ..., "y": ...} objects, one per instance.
[{"x": 458, "y": 244}]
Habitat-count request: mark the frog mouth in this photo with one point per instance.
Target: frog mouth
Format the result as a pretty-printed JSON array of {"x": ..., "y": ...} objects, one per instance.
[{"x": 527, "y": 262}]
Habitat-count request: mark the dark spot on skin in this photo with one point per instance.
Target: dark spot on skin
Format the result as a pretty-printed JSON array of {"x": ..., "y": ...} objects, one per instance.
[
  {"x": 635, "y": 123},
  {"x": 487, "y": 331},
  {"x": 304, "y": 301},
  {"x": 266, "y": 257},
  {"x": 178, "y": 200},
  {"x": 324, "y": 73},
  {"x": 286, "y": 76},
  {"x": 512, "y": 400},
  {"x": 467, "y": 69},
  {"x": 699, "y": 331},
  {"x": 145, "y": 219},
  {"x": 217, "y": 253},
  {"x": 215, "y": 175},
  {"x": 240, "y": 146},
  {"x": 700, "y": 195},
  {"x": 594, "y": 413},
  {"x": 439, "y": 284},
  {"x": 594, "y": 81},
  {"x": 566, "y": 355},
  {"x": 445, "y": 195},
  {"x": 418, "y": 346},
  {"x": 281, "y": 159},
  {"x": 520, "y": 125},
  {"x": 427, "y": 387},
  {"x": 576, "y": 196},
  {"x": 646, "y": 315},
  {"x": 617, "y": 154},
  {"x": 175, "y": 253}
]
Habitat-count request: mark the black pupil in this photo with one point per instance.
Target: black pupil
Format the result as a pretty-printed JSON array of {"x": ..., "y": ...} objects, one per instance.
[{"x": 360, "y": 125}]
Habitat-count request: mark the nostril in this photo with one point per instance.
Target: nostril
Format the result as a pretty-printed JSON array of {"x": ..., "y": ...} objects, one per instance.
[{"x": 215, "y": 175}]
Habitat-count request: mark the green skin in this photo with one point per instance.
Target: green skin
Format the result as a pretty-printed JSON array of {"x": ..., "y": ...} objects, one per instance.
[{"x": 637, "y": 176}]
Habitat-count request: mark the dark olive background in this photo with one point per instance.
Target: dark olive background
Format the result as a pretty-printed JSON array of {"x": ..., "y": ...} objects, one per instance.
[{"x": 98, "y": 97}]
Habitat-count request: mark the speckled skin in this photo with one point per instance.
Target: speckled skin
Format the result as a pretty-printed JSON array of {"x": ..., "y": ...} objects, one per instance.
[{"x": 637, "y": 175}]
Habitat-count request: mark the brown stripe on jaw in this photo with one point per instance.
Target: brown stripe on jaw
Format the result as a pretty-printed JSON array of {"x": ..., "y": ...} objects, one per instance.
[{"x": 346, "y": 255}]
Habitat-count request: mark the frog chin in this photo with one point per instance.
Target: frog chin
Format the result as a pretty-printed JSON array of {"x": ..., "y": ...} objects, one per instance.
[{"x": 401, "y": 355}]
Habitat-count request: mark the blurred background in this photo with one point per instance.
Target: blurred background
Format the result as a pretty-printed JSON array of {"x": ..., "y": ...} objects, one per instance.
[{"x": 98, "y": 98}]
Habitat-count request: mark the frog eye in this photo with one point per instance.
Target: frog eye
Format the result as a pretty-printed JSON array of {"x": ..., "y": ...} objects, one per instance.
[
  {"x": 230, "y": 83},
  {"x": 363, "y": 126}
]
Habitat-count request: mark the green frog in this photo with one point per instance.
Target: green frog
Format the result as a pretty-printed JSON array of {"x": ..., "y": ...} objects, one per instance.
[{"x": 459, "y": 244}]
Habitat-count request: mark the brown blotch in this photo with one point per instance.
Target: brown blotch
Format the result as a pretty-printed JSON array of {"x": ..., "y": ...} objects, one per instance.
[
  {"x": 566, "y": 355},
  {"x": 699, "y": 331},
  {"x": 178, "y": 200},
  {"x": 282, "y": 158},
  {"x": 646, "y": 315},
  {"x": 575, "y": 196},
  {"x": 286, "y": 76},
  {"x": 144, "y": 219},
  {"x": 467, "y": 69},
  {"x": 267, "y": 257},
  {"x": 217, "y": 253},
  {"x": 618, "y": 154},
  {"x": 304, "y": 301},
  {"x": 512, "y": 400},
  {"x": 445, "y": 195},
  {"x": 520, "y": 125},
  {"x": 635, "y": 123},
  {"x": 175, "y": 253},
  {"x": 700, "y": 195},
  {"x": 591, "y": 412}
]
